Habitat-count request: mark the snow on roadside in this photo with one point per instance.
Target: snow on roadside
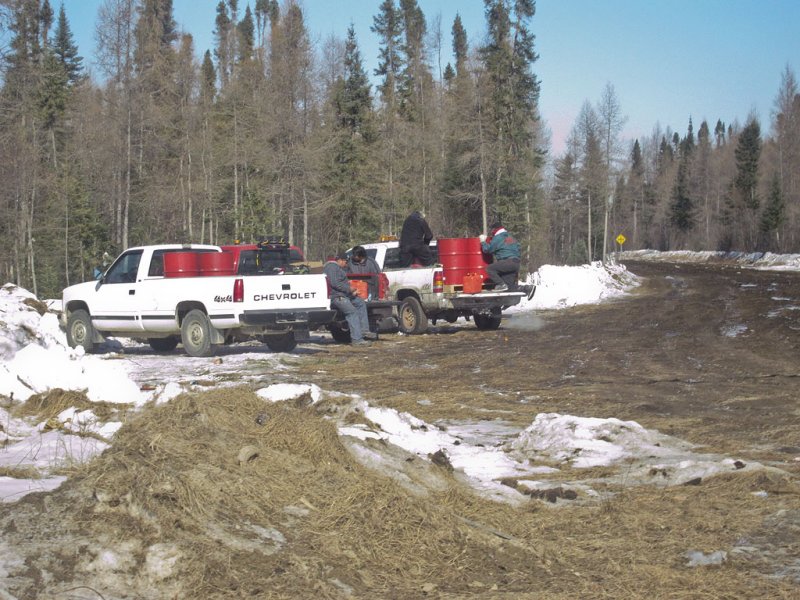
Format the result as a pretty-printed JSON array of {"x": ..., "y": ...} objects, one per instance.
[
  {"x": 562, "y": 287},
  {"x": 755, "y": 260},
  {"x": 36, "y": 357}
]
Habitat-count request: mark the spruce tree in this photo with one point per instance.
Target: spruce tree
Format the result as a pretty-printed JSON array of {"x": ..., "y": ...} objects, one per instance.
[
  {"x": 387, "y": 24},
  {"x": 346, "y": 184},
  {"x": 66, "y": 50},
  {"x": 246, "y": 30},
  {"x": 774, "y": 214},
  {"x": 748, "y": 152},
  {"x": 513, "y": 96}
]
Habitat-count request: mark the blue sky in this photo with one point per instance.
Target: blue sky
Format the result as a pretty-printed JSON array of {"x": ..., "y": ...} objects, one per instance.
[{"x": 668, "y": 60}]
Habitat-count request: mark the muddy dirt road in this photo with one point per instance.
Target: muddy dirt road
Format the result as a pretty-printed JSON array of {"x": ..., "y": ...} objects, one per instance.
[{"x": 705, "y": 353}]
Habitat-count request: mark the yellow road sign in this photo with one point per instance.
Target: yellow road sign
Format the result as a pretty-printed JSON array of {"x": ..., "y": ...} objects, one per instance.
[{"x": 621, "y": 239}]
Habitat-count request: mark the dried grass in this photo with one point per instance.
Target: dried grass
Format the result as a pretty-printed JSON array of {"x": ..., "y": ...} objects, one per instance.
[
  {"x": 174, "y": 476},
  {"x": 49, "y": 404}
]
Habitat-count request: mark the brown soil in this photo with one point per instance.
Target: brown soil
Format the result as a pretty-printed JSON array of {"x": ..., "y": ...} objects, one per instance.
[{"x": 217, "y": 495}]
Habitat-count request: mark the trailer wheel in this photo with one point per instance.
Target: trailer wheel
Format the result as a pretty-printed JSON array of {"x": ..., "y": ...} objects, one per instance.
[
  {"x": 281, "y": 343},
  {"x": 339, "y": 333},
  {"x": 196, "y": 333},
  {"x": 488, "y": 322},
  {"x": 80, "y": 331},
  {"x": 412, "y": 318},
  {"x": 167, "y": 344}
]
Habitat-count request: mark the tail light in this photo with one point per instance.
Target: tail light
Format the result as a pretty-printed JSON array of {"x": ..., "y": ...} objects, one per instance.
[
  {"x": 328, "y": 286},
  {"x": 238, "y": 290},
  {"x": 383, "y": 286},
  {"x": 438, "y": 282}
]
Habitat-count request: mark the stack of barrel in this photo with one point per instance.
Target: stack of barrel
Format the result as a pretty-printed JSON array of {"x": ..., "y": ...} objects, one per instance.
[
  {"x": 198, "y": 264},
  {"x": 464, "y": 264}
]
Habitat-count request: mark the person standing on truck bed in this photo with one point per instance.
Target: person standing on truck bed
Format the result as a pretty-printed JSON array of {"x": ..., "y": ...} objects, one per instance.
[
  {"x": 345, "y": 300},
  {"x": 415, "y": 237},
  {"x": 504, "y": 249},
  {"x": 361, "y": 264}
]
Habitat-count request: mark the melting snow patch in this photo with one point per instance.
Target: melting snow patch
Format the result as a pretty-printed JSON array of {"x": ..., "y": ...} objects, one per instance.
[
  {"x": 280, "y": 392},
  {"x": 733, "y": 331}
]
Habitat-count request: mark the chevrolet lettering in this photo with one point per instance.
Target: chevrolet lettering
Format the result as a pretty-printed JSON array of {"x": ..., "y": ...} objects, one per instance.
[{"x": 284, "y": 296}]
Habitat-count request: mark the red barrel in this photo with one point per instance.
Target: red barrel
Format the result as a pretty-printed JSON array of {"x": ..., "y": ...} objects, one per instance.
[
  {"x": 181, "y": 264},
  {"x": 460, "y": 256},
  {"x": 216, "y": 263}
]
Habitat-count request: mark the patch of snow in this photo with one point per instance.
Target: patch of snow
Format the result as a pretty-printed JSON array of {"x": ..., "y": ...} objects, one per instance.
[{"x": 280, "y": 392}]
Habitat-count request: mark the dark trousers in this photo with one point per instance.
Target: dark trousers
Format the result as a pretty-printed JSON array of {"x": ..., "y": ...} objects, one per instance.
[
  {"x": 504, "y": 271},
  {"x": 421, "y": 252}
]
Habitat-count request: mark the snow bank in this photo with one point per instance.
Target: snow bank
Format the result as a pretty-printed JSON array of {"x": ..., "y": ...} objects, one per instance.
[
  {"x": 36, "y": 357},
  {"x": 562, "y": 287},
  {"x": 755, "y": 260}
]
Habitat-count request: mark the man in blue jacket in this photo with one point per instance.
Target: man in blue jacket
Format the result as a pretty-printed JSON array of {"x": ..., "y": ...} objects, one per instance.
[{"x": 504, "y": 269}]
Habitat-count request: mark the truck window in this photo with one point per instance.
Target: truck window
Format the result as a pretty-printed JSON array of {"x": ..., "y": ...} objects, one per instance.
[
  {"x": 392, "y": 258},
  {"x": 125, "y": 268},
  {"x": 267, "y": 261}
]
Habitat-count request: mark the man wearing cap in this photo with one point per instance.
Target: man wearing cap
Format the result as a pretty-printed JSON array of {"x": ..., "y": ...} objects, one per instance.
[
  {"x": 345, "y": 300},
  {"x": 362, "y": 264},
  {"x": 504, "y": 249}
]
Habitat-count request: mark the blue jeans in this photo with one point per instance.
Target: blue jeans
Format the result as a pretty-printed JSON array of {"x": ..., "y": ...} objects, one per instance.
[{"x": 355, "y": 313}]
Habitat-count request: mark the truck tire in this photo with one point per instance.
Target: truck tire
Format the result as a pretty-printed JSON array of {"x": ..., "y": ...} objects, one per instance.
[
  {"x": 412, "y": 318},
  {"x": 80, "y": 331},
  {"x": 489, "y": 322},
  {"x": 167, "y": 344},
  {"x": 339, "y": 333},
  {"x": 284, "y": 342},
  {"x": 196, "y": 333}
]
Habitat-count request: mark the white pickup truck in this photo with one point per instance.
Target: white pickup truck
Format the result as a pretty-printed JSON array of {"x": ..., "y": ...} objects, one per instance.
[
  {"x": 135, "y": 299},
  {"x": 423, "y": 295}
]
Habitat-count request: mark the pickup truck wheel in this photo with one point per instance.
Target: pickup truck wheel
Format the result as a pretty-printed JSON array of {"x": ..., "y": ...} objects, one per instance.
[
  {"x": 339, "y": 333},
  {"x": 167, "y": 344},
  {"x": 196, "y": 333},
  {"x": 412, "y": 318},
  {"x": 281, "y": 343},
  {"x": 488, "y": 322},
  {"x": 80, "y": 331}
]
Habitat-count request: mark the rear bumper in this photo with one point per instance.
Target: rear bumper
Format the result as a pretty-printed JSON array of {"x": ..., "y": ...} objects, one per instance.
[
  {"x": 485, "y": 300},
  {"x": 280, "y": 319}
]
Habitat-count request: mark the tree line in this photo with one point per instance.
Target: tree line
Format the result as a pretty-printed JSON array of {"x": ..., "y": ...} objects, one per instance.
[{"x": 269, "y": 135}]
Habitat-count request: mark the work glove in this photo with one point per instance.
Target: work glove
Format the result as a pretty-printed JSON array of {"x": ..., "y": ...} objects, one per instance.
[{"x": 482, "y": 237}]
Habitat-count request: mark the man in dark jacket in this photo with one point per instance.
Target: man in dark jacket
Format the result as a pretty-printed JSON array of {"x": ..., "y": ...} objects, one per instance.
[
  {"x": 361, "y": 264},
  {"x": 415, "y": 238},
  {"x": 345, "y": 300}
]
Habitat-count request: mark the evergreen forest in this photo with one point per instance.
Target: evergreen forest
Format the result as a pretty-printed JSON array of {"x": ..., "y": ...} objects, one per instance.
[{"x": 269, "y": 134}]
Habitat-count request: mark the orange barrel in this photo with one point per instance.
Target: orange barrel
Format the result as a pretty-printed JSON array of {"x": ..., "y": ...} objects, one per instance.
[
  {"x": 473, "y": 283},
  {"x": 216, "y": 263},
  {"x": 360, "y": 287},
  {"x": 181, "y": 264},
  {"x": 460, "y": 256}
]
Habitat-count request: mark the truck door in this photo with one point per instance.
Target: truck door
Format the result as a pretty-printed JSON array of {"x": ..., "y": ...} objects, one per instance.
[{"x": 114, "y": 306}]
